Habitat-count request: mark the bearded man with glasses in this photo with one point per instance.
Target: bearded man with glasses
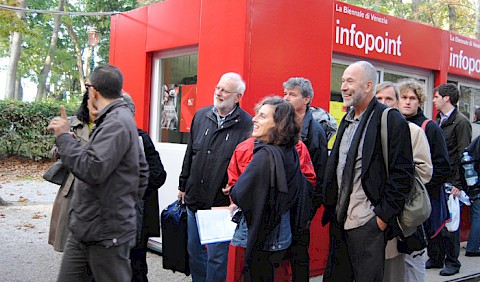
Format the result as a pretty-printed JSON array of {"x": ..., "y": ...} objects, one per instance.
[{"x": 215, "y": 132}]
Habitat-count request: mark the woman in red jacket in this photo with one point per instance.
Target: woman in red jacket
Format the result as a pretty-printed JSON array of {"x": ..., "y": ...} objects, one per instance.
[{"x": 240, "y": 160}]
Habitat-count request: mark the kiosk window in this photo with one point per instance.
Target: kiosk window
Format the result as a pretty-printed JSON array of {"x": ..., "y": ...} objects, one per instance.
[
  {"x": 175, "y": 89},
  {"x": 469, "y": 99}
]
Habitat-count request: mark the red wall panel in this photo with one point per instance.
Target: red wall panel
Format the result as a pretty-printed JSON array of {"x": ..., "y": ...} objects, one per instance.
[
  {"x": 127, "y": 52},
  {"x": 291, "y": 38},
  {"x": 288, "y": 38},
  {"x": 173, "y": 23},
  {"x": 221, "y": 45}
]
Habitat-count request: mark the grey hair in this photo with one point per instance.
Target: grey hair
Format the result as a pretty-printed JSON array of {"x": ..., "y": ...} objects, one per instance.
[
  {"x": 385, "y": 85},
  {"x": 130, "y": 104},
  {"x": 237, "y": 79},
  {"x": 370, "y": 73},
  {"x": 304, "y": 84}
]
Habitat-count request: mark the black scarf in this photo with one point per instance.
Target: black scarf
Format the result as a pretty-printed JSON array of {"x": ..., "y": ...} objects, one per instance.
[
  {"x": 348, "y": 172},
  {"x": 264, "y": 198}
]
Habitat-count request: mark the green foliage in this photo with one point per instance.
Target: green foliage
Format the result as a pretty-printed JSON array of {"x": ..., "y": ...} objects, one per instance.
[
  {"x": 103, "y": 23},
  {"x": 434, "y": 13},
  {"x": 11, "y": 22},
  {"x": 37, "y": 32},
  {"x": 10, "y": 19},
  {"x": 23, "y": 127}
]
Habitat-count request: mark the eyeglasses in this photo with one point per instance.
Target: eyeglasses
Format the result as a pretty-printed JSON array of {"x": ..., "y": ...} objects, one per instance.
[{"x": 221, "y": 90}]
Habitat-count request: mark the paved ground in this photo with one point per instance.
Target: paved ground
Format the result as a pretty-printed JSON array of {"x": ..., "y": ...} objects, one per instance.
[
  {"x": 25, "y": 253},
  {"x": 26, "y": 256}
]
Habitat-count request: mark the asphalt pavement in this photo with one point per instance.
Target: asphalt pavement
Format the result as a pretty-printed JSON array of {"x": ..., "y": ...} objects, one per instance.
[{"x": 25, "y": 254}]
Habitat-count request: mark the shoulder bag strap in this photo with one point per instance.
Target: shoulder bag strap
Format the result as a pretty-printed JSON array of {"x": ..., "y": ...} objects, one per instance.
[
  {"x": 384, "y": 137},
  {"x": 424, "y": 124}
]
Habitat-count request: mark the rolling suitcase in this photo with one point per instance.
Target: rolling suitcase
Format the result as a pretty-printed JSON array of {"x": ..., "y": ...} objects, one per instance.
[{"x": 174, "y": 238}]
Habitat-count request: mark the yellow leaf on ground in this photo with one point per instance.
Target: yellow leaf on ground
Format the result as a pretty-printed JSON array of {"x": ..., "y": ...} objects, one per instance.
[{"x": 22, "y": 199}]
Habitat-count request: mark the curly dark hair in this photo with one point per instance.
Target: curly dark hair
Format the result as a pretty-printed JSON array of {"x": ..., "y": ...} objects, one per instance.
[
  {"x": 83, "y": 114},
  {"x": 286, "y": 130}
]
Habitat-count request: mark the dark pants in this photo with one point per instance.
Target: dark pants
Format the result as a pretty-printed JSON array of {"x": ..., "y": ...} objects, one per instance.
[
  {"x": 106, "y": 263},
  {"x": 299, "y": 256},
  {"x": 445, "y": 248},
  {"x": 357, "y": 254},
  {"x": 262, "y": 268},
  {"x": 138, "y": 258}
]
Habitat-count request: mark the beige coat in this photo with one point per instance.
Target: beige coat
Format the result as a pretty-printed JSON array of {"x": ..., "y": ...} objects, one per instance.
[
  {"x": 58, "y": 232},
  {"x": 424, "y": 168}
]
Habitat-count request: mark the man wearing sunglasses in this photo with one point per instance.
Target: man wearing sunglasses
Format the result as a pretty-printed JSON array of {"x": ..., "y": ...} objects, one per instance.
[{"x": 112, "y": 175}]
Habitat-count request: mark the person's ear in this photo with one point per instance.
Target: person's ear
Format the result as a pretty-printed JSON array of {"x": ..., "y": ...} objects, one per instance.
[
  {"x": 238, "y": 98},
  {"x": 369, "y": 87},
  {"x": 307, "y": 100}
]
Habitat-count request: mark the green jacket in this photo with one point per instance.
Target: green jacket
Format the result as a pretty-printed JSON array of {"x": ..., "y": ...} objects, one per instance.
[{"x": 458, "y": 135}]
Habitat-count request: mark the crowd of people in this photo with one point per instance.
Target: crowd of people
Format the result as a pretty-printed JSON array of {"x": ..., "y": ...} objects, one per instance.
[{"x": 273, "y": 171}]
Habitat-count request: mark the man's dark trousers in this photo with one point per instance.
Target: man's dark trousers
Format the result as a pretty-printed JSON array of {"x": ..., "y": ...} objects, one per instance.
[{"x": 106, "y": 263}]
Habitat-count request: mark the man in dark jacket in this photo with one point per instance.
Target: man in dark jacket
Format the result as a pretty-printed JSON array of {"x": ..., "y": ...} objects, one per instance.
[
  {"x": 111, "y": 176},
  {"x": 362, "y": 198},
  {"x": 412, "y": 97},
  {"x": 458, "y": 134},
  {"x": 298, "y": 91},
  {"x": 215, "y": 132},
  {"x": 148, "y": 224}
]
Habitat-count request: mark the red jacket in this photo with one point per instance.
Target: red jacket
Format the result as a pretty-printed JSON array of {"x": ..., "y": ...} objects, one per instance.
[{"x": 243, "y": 154}]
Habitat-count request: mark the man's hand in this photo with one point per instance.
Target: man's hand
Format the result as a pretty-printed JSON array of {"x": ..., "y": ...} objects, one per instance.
[
  {"x": 181, "y": 197},
  {"x": 455, "y": 192},
  {"x": 381, "y": 225},
  {"x": 59, "y": 125}
]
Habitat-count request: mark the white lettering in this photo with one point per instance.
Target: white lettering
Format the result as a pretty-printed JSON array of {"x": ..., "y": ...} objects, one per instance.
[
  {"x": 458, "y": 60},
  {"x": 348, "y": 10},
  {"x": 367, "y": 42},
  {"x": 376, "y": 18},
  {"x": 461, "y": 40}
]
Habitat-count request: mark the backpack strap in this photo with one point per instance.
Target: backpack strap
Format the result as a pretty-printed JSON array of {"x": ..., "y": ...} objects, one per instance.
[
  {"x": 384, "y": 137},
  {"x": 424, "y": 124}
]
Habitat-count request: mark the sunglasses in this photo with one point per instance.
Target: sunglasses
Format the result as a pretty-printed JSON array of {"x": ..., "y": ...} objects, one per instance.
[{"x": 88, "y": 85}]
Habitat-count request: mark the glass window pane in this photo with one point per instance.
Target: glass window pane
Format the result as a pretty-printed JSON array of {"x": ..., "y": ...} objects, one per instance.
[
  {"x": 336, "y": 82},
  {"x": 469, "y": 101},
  {"x": 395, "y": 77},
  {"x": 177, "y": 97}
]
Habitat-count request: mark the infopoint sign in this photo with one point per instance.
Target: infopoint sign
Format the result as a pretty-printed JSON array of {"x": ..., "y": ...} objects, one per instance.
[
  {"x": 464, "y": 56},
  {"x": 364, "y": 33}
]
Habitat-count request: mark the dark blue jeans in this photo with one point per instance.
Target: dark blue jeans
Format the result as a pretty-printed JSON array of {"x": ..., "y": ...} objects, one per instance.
[
  {"x": 81, "y": 262},
  {"x": 473, "y": 244},
  {"x": 206, "y": 263}
]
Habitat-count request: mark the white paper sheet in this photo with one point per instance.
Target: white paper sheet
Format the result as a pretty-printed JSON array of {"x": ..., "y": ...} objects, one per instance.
[{"x": 215, "y": 226}]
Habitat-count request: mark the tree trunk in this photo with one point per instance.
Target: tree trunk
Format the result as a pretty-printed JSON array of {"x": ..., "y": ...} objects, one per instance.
[
  {"x": 15, "y": 52},
  {"x": 19, "y": 89},
  {"x": 41, "y": 88},
  {"x": 415, "y": 5},
  {"x": 452, "y": 18},
  {"x": 78, "y": 54},
  {"x": 89, "y": 59},
  {"x": 477, "y": 20}
]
